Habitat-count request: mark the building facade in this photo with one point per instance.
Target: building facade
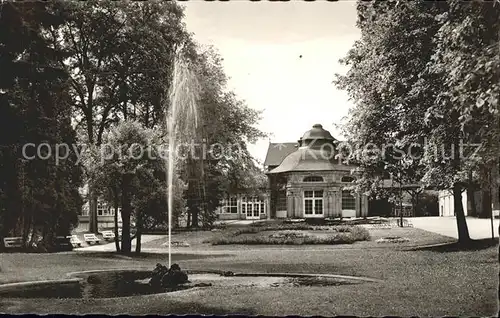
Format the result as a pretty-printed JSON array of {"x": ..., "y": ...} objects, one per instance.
[
  {"x": 306, "y": 180},
  {"x": 447, "y": 205},
  {"x": 242, "y": 206},
  {"x": 105, "y": 214}
]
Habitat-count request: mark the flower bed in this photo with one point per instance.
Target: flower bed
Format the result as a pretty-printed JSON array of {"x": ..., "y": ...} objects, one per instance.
[{"x": 306, "y": 235}]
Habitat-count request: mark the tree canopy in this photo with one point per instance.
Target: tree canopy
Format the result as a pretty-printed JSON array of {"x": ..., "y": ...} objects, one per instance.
[{"x": 425, "y": 74}]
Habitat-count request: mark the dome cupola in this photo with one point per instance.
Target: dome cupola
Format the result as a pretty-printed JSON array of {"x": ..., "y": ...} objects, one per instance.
[
  {"x": 316, "y": 137},
  {"x": 316, "y": 153}
]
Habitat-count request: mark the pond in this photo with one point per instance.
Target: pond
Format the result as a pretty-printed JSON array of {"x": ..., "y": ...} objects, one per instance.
[{"x": 112, "y": 284}]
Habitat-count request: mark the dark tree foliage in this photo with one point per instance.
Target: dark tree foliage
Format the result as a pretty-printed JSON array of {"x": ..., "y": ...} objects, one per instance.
[{"x": 38, "y": 197}]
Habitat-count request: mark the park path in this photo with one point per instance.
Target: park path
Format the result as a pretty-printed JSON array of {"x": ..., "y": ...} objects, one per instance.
[
  {"x": 106, "y": 247},
  {"x": 447, "y": 226}
]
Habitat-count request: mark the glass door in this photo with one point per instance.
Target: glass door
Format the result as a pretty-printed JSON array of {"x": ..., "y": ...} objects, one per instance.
[
  {"x": 252, "y": 205},
  {"x": 313, "y": 203}
]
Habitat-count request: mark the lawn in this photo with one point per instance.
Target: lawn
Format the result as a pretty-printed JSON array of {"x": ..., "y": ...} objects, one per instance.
[{"x": 415, "y": 282}]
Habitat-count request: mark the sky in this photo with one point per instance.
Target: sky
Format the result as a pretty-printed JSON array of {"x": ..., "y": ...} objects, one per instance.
[{"x": 281, "y": 59}]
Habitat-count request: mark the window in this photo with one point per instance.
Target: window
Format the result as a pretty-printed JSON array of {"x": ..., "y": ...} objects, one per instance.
[
  {"x": 255, "y": 209},
  {"x": 313, "y": 179},
  {"x": 254, "y": 206},
  {"x": 348, "y": 201},
  {"x": 313, "y": 202},
  {"x": 281, "y": 201},
  {"x": 85, "y": 209},
  {"x": 347, "y": 179},
  {"x": 230, "y": 205},
  {"x": 103, "y": 209}
]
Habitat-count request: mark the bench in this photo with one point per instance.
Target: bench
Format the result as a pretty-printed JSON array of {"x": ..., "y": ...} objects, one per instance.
[
  {"x": 108, "y": 235},
  {"x": 91, "y": 238},
  {"x": 11, "y": 242},
  {"x": 75, "y": 241}
]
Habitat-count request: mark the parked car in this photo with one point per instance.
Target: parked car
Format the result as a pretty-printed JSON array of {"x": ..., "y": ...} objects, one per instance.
[{"x": 62, "y": 243}]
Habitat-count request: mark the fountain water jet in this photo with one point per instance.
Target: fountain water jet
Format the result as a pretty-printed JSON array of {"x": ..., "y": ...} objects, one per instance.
[{"x": 183, "y": 97}]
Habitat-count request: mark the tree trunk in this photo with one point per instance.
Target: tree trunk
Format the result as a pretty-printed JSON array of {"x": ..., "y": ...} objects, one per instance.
[
  {"x": 138, "y": 234},
  {"x": 194, "y": 217},
  {"x": 33, "y": 237},
  {"x": 117, "y": 239},
  {"x": 48, "y": 235},
  {"x": 472, "y": 211},
  {"x": 485, "y": 211},
  {"x": 473, "y": 203},
  {"x": 27, "y": 230},
  {"x": 126, "y": 213},
  {"x": 414, "y": 201},
  {"x": 486, "y": 203},
  {"x": 495, "y": 189},
  {"x": 463, "y": 231},
  {"x": 93, "y": 222}
]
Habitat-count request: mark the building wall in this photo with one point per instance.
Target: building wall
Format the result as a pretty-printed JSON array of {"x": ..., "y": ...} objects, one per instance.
[
  {"x": 105, "y": 217},
  {"x": 331, "y": 186},
  {"x": 446, "y": 204},
  {"x": 102, "y": 221},
  {"x": 223, "y": 212}
]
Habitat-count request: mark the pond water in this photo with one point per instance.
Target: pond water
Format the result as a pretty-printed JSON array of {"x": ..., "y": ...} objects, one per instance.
[{"x": 134, "y": 283}]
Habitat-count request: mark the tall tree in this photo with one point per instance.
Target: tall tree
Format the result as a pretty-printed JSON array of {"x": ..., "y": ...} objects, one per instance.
[
  {"x": 227, "y": 126},
  {"x": 392, "y": 82},
  {"x": 134, "y": 167},
  {"x": 120, "y": 59},
  {"x": 467, "y": 48},
  {"x": 39, "y": 192}
]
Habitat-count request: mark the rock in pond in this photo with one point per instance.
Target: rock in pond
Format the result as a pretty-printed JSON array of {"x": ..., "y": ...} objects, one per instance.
[{"x": 168, "y": 278}]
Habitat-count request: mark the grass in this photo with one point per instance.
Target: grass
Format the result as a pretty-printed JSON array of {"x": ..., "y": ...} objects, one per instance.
[
  {"x": 149, "y": 305},
  {"x": 472, "y": 245},
  {"x": 19, "y": 267},
  {"x": 431, "y": 282}
]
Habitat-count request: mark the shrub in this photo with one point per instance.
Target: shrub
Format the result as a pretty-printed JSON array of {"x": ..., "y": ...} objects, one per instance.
[
  {"x": 246, "y": 230},
  {"x": 340, "y": 238},
  {"x": 343, "y": 228},
  {"x": 221, "y": 225},
  {"x": 316, "y": 221},
  {"x": 287, "y": 237},
  {"x": 288, "y": 234},
  {"x": 359, "y": 233}
]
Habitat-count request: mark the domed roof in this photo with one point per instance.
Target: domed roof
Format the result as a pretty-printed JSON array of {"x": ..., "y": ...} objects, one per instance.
[
  {"x": 317, "y": 132},
  {"x": 309, "y": 159}
]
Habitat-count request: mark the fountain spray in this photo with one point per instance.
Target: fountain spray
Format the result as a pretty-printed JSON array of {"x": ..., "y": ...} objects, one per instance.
[{"x": 183, "y": 97}]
